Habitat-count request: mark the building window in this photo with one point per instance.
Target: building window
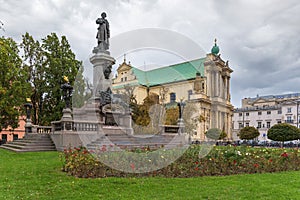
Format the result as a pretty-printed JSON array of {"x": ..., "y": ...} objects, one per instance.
[
  {"x": 247, "y": 114},
  {"x": 4, "y": 138},
  {"x": 258, "y": 124},
  {"x": 289, "y": 119},
  {"x": 268, "y": 124},
  {"x": 121, "y": 79},
  {"x": 259, "y": 113},
  {"x": 279, "y": 112},
  {"x": 240, "y": 114},
  {"x": 15, "y": 137},
  {"x": 279, "y": 122},
  {"x": 190, "y": 92},
  {"x": 268, "y": 112},
  {"x": 289, "y": 110},
  {"x": 247, "y": 124},
  {"x": 240, "y": 125},
  {"x": 172, "y": 97},
  {"x": 125, "y": 79}
]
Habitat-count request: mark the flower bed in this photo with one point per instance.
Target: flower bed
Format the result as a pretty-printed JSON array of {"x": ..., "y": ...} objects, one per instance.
[{"x": 228, "y": 160}]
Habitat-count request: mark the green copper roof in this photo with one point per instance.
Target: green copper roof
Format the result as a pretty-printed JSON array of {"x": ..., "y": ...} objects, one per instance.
[{"x": 169, "y": 74}]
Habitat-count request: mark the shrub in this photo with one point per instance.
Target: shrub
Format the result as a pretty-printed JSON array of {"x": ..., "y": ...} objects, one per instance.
[
  {"x": 248, "y": 133},
  {"x": 283, "y": 132}
]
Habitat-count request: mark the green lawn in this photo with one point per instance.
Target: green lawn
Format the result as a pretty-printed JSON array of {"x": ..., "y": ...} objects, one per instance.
[{"x": 38, "y": 176}]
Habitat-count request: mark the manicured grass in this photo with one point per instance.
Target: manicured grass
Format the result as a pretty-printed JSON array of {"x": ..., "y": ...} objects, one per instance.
[{"x": 39, "y": 176}]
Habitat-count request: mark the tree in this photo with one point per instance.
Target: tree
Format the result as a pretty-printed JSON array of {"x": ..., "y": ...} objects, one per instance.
[
  {"x": 215, "y": 134},
  {"x": 248, "y": 133},
  {"x": 34, "y": 63},
  {"x": 47, "y": 63},
  {"x": 283, "y": 132},
  {"x": 13, "y": 86}
]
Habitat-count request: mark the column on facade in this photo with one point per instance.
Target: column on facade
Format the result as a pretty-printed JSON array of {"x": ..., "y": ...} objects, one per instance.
[
  {"x": 217, "y": 84},
  {"x": 221, "y": 85},
  {"x": 228, "y": 86}
]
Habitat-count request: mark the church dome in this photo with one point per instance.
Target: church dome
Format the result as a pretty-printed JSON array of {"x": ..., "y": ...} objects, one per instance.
[{"x": 215, "y": 50}]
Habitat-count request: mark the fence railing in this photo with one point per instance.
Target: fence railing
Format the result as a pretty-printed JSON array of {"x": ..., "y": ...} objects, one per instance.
[{"x": 74, "y": 126}]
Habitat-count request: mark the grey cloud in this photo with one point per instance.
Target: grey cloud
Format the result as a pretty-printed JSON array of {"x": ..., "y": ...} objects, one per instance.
[{"x": 259, "y": 38}]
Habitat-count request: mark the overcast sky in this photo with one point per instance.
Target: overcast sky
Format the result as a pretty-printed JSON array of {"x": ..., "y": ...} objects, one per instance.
[{"x": 261, "y": 39}]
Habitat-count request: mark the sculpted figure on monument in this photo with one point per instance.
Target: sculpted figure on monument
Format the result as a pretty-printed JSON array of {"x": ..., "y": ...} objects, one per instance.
[
  {"x": 107, "y": 71},
  {"x": 103, "y": 32}
]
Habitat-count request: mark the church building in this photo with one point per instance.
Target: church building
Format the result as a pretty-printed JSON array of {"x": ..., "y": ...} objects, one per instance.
[{"x": 203, "y": 83}]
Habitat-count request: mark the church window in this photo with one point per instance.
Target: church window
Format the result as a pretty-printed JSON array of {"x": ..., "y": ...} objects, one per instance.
[{"x": 172, "y": 97}]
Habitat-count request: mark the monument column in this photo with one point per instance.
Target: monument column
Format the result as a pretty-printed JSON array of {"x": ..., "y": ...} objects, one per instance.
[{"x": 102, "y": 64}]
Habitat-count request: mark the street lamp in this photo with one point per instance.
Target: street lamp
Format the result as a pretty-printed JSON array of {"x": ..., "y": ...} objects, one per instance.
[
  {"x": 28, "y": 124},
  {"x": 67, "y": 92},
  {"x": 180, "y": 122},
  {"x": 298, "y": 112}
]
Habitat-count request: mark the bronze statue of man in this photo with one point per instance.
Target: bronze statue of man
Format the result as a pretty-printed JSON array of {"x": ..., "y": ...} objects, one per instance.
[{"x": 103, "y": 34}]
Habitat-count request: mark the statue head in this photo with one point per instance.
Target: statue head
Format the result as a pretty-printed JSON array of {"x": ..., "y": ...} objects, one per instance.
[{"x": 103, "y": 15}]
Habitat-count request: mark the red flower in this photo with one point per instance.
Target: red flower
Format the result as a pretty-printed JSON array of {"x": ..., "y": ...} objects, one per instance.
[
  {"x": 256, "y": 165},
  {"x": 270, "y": 160},
  {"x": 132, "y": 166},
  {"x": 234, "y": 162},
  {"x": 196, "y": 168},
  {"x": 285, "y": 155},
  {"x": 196, "y": 162},
  {"x": 85, "y": 151}
]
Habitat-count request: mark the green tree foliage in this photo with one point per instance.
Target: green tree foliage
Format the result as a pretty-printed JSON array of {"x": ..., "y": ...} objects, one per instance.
[
  {"x": 34, "y": 64},
  {"x": 283, "y": 132},
  {"x": 248, "y": 133},
  {"x": 13, "y": 86},
  {"x": 215, "y": 134},
  {"x": 47, "y": 63}
]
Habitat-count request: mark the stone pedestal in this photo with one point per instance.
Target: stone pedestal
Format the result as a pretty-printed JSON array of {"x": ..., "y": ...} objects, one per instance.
[
  {"x": 28, "y": 126},
  {"x": 101, "y": 61}
]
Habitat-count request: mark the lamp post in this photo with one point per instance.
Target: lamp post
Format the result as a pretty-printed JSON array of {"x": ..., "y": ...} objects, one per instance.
[
  {"x": 298, "y": 112},
  {"x": 180, "y": 122},
  {"x": 67, "y": 94},
  {"x": 28, "y": 124}
]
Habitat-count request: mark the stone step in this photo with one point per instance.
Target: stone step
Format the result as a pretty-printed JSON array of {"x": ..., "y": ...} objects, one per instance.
[
  {"x": 31, "y": 142},
  {"x": 26, "y": 150},
  {"x": 28, "y": 147},
  {"x": 34, "y": 143}
]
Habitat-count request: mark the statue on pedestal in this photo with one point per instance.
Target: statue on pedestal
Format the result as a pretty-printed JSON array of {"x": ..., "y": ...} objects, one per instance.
[{"x": 103, "y": 33}]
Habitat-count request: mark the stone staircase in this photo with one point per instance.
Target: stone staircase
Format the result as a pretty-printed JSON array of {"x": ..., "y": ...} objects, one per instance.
[
  {"x": 124, "y": 141},
  {"x": 30, "y": 143}
]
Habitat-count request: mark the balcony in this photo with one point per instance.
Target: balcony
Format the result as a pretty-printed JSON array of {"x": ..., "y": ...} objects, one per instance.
[{"x": 289, "y": 121}]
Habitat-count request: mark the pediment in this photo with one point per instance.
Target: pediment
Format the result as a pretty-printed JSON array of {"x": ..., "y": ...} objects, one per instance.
[{"x": 123, "y": 67}]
